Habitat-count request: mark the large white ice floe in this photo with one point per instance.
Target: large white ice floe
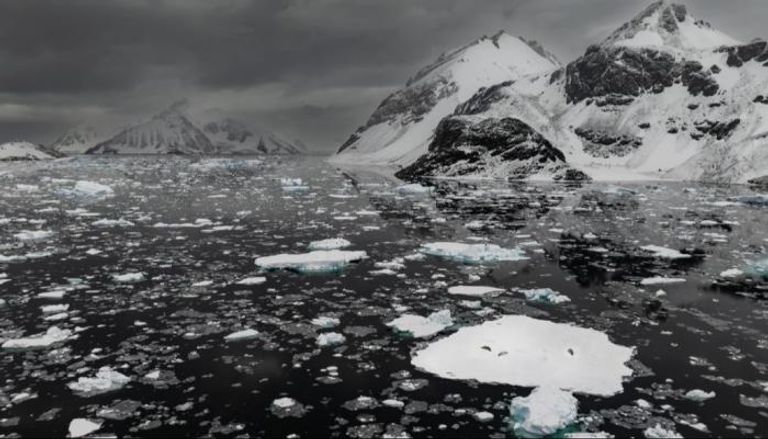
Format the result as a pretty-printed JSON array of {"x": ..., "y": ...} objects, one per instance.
[
  {"x": 474, "y": 290},
  {"x": 544, "y": 412},
  {"x": 472, "y": 253},
  {"x": 664, "y": 252},
  {"x": 51, "y": 336},
  {"x": 419, "y": 326},
  {"x": 106, "y": 380},
  {"x": 33, "y": 235},
  {"x": 315, "y": 261},
  {"x": 245, "y": 334},
  {"x": 329, "y": 244},
  {"x": 523, "y": 351},
  {"x": 80, "y": 427}
]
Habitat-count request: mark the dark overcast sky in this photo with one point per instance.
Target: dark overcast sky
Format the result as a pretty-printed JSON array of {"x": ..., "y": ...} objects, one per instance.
[{"x": 312, "y": 69}]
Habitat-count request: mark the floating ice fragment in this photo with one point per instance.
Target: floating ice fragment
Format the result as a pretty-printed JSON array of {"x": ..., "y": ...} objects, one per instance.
[
  {"x": 545, "y": 295},
  {"x": 91, "y": 189},
  {"x": 52, "y": 335},
  {"x": 472, "y": 253},
  {"x": 128, "y": 278},
  {"x": 474, "y": 290},
  {"x": 33, "y": 235},
  {"x": 413, "y": 188},
  {"x": 255, "y": 280},
  {"x": 106, "y": 380},
  {"x": 329, "y": 244},
  {"x": 51, "y": 309},
  {"x": 664, "y": 252},
  {"x": 53, "y": 295},
  {"x": 316, "y": 261},
  {"x": 245, "y": 334},
  {"x": 483, "y": 416},
  {"x": 544, "y": 412},
  {"x": 658, "y": 280},
  {"x": 732, "y": 273},
  {"x": 325, "y": 322},
  {"x": 523, "y": 351},
  {"x": 80, "y": 427},
  {"x": 699, "y": 395},
  {"x": 113, "y": 223},
  {"x": 419, "y": 326},
  {"x": 658, "y": 431},
  {"x": 330, "y": 339},
  {"x": 284, "y": 402}
]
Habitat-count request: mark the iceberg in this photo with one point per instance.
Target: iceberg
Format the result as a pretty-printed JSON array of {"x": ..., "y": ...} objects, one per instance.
[
  {"x": 421, "y": 327},
  {"x": 330, "y": 339},
  {"x": 316, "y": 261},
  {"x": 245, "y": 334},
  {"x": 329, "y": 244},
  {"x": 544, "y": 412},
  {"x": 52, "y": 335},
  {"x": 527, "y": 352},
  {"x": 545, "y": 295},
  {"x": 472, "y": 253},
  {"x": 106, "y": 380},
  {"x": 474, "y": 290}
]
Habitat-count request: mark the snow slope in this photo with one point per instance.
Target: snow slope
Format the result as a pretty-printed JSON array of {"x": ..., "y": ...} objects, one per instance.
[
  {"x": 231, "y": 136},
  {"x": 399, "y": 131},
  {"x": 665, "y": 96},
  {"x": 78, "y": 140},
  {"x": 18, "y": 151}
]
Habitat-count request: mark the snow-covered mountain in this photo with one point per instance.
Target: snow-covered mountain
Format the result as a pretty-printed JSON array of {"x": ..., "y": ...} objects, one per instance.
[
  {"x": 665, "y": 96},
  {"x": 25, "y": 151},
  {"x": 230, "y": 136},
  {"x": 176, "y": 131},
  {"x": 400, "y": 129},
  {"x": 78, "y": 140}
]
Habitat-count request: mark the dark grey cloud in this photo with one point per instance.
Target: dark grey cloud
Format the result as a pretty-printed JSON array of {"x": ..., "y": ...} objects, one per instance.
[{"x": 310, "y": 68}]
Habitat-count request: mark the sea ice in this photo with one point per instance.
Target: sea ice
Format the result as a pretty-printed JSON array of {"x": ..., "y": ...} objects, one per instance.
[
  {"x": 545, "y": 295},
  {"x": 316, "y": 261},
  {"x": 699, "y": 395},
  {"x": 325, "y": 322},
  {"x": 523, "y": 351},
  {"x": 33, "y": 235},
  {"x": 472, "y": 253},
  {"x": 658, "y": 431},
  {"x": 544, "y": 412},
  {"x": 245, "y": 334},
  {"x": 52, "y": 335},
  {"x": 91, "y": 189},
  {"x": 106, "y": 380},
  {"x": 330, "y": 339},
  {"x": 664, "y": 252},
  {"x": 413, "y": 188},
  {"x": 255, "y": 280},
  {"x": 80, "y": 427},
  {"x": 128, "y": 278},
  {"x": 658, "y": 280},
  {"x": 329, "y": 244},
  {"x": 419, "y": 326},
  {"x": 474, "y": 290}
]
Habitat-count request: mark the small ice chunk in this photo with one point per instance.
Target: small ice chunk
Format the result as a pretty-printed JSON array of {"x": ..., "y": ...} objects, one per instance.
[
  {"x": 128, "y": 278},
  {"x": 112, "y": 223},
  {"x": 202, "y": 283},
  {"x": 483, "y": 416},
  {"x": 51, "y": 309},
  {"x": 699, "y": 395},
  {"x": 316, "y": 261},
  {"x": 658, "y": 431},
  {"x": 33, "y": 235},
  {"x": 284, "y": 403},
  {"x": 330, "y": 339},
  {"x": 544, "y": 412},
  {"x": 325, "y": 322},
  {"x": 419, "y": 326},
  {"x": 80, "y": 427},
  {"x": 53, "y": 295},
  {"x": 245, "y": 334},
  {"x": 659, "y": 280},
  {"x": 329, "y": 244},
  {"x": 254, "y": 280},
  {"x": 413, "y": 188},
  {"x": 91, "y": 189},
  {"x": 52, "y": 335},
  {"x": 664, "y": 252},
  {"x": 732, "y": 273},
  {"x": 474, "y": 290},
  {"x": 545, "y": 295},
  {"x": 472, "y": 253},
  {"x": 106, "y": 380}
]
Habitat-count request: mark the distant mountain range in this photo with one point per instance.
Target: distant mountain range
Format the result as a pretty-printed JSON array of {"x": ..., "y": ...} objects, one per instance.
[
  {"x": 175, "y": 131},
  {"x": 665, "y": 96}
]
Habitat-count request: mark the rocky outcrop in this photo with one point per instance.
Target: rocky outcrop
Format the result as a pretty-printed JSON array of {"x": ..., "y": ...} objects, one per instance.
[
  {"x": 507, "y": 148},
  {"x": 600, "y": 143}
]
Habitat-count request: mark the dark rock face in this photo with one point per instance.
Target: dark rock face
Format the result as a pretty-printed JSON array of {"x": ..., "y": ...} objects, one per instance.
[
  {"x": 411, "y": 103},
  {"x": 462, "y": 147},
  {"x": 718, "y": 130},
  {"x": 738, "y": 55},
  {"x": 481, "y": 101},
  {"x": 628, "y": 72},
  {"x": 601, "y": 144}
]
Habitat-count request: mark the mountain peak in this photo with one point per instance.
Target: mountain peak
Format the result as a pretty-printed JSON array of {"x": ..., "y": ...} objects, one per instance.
[{"x": 669, "y": 26}]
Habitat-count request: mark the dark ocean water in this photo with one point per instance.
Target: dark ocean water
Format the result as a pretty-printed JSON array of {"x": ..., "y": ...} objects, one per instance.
[{"x": 707, "y": 333}]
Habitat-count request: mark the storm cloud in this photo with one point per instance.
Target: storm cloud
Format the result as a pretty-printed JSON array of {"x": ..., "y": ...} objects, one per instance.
[{"x": 312, "y": 69}]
